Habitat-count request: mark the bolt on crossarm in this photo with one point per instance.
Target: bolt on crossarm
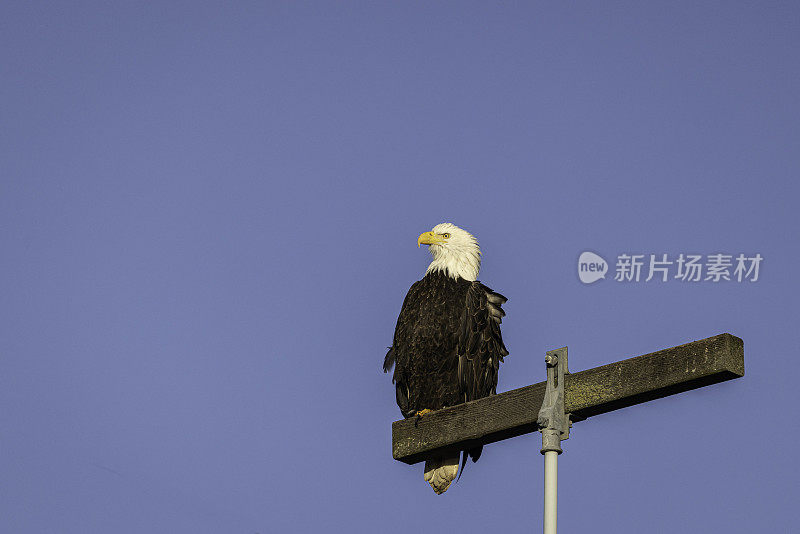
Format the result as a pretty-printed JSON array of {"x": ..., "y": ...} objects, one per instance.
[{"x": 554, "y": 425}]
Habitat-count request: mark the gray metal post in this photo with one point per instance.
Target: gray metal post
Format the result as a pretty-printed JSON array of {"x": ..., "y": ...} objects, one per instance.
[{"x": 554, "y": 425}]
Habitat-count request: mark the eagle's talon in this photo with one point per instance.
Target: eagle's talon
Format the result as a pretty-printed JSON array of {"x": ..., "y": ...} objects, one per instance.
[{"x": 419, "y": 415}]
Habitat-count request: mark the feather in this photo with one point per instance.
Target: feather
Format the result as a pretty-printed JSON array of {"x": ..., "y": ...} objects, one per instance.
[
  {"x": 388, "y": 361},
  {"x": 441, "y": 471}
]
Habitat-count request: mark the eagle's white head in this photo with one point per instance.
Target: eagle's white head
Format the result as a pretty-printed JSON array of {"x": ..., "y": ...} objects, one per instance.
[{"x": 455, "y": 251}]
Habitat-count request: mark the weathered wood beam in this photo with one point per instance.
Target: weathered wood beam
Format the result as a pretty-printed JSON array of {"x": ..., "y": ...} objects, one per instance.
[{"x": 587, "y": 393}]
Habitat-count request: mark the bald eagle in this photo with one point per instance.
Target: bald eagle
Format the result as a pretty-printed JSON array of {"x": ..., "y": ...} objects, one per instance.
[{"x": 447, "y": 345}]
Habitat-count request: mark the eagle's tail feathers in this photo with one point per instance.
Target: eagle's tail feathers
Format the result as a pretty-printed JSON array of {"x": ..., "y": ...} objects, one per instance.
[{"x": 441, "y": 471}]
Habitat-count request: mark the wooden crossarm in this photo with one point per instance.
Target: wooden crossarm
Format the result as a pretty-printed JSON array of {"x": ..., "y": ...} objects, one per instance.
[{"x": 587, "y": 393}]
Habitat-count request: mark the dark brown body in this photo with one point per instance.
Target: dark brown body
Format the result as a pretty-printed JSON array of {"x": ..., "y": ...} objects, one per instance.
[{"x": 447, "y": 344}]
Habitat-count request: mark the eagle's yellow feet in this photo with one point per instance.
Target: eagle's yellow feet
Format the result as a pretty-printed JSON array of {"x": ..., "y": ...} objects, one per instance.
[{"x": 419, "y": 415}]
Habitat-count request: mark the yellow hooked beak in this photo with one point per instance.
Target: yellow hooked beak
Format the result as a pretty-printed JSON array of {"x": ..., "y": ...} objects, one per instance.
[{"x": 429, "y": 238}]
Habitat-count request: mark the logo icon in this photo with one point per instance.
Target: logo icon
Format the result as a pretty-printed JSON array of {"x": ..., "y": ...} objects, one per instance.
[{"x": 591, "y": 267}]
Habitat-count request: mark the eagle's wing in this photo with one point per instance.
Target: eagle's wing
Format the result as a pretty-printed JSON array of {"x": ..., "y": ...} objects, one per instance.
[
  {"x": 401, "y": 332},
  {"x": 480, "y": 344}
]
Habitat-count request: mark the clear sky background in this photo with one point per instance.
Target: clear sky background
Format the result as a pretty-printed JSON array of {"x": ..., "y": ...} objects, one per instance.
[{"x": 209, "y": 215}]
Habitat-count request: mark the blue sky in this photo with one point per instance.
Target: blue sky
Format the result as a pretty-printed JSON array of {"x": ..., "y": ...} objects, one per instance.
[{"x": 209, "y": 215}]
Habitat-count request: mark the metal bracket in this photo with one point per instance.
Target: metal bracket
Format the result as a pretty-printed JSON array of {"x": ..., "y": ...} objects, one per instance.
[{"x": 553, "y": 423}]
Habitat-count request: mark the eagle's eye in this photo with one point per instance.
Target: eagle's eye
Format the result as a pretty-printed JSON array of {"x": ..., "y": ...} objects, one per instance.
[{"x": 446, "y": 236}]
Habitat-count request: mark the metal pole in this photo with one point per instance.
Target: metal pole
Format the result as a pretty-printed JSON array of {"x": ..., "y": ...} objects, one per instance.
[
  {"x": 554, "y": 425},
  {"x": 550, "y": 491}
]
